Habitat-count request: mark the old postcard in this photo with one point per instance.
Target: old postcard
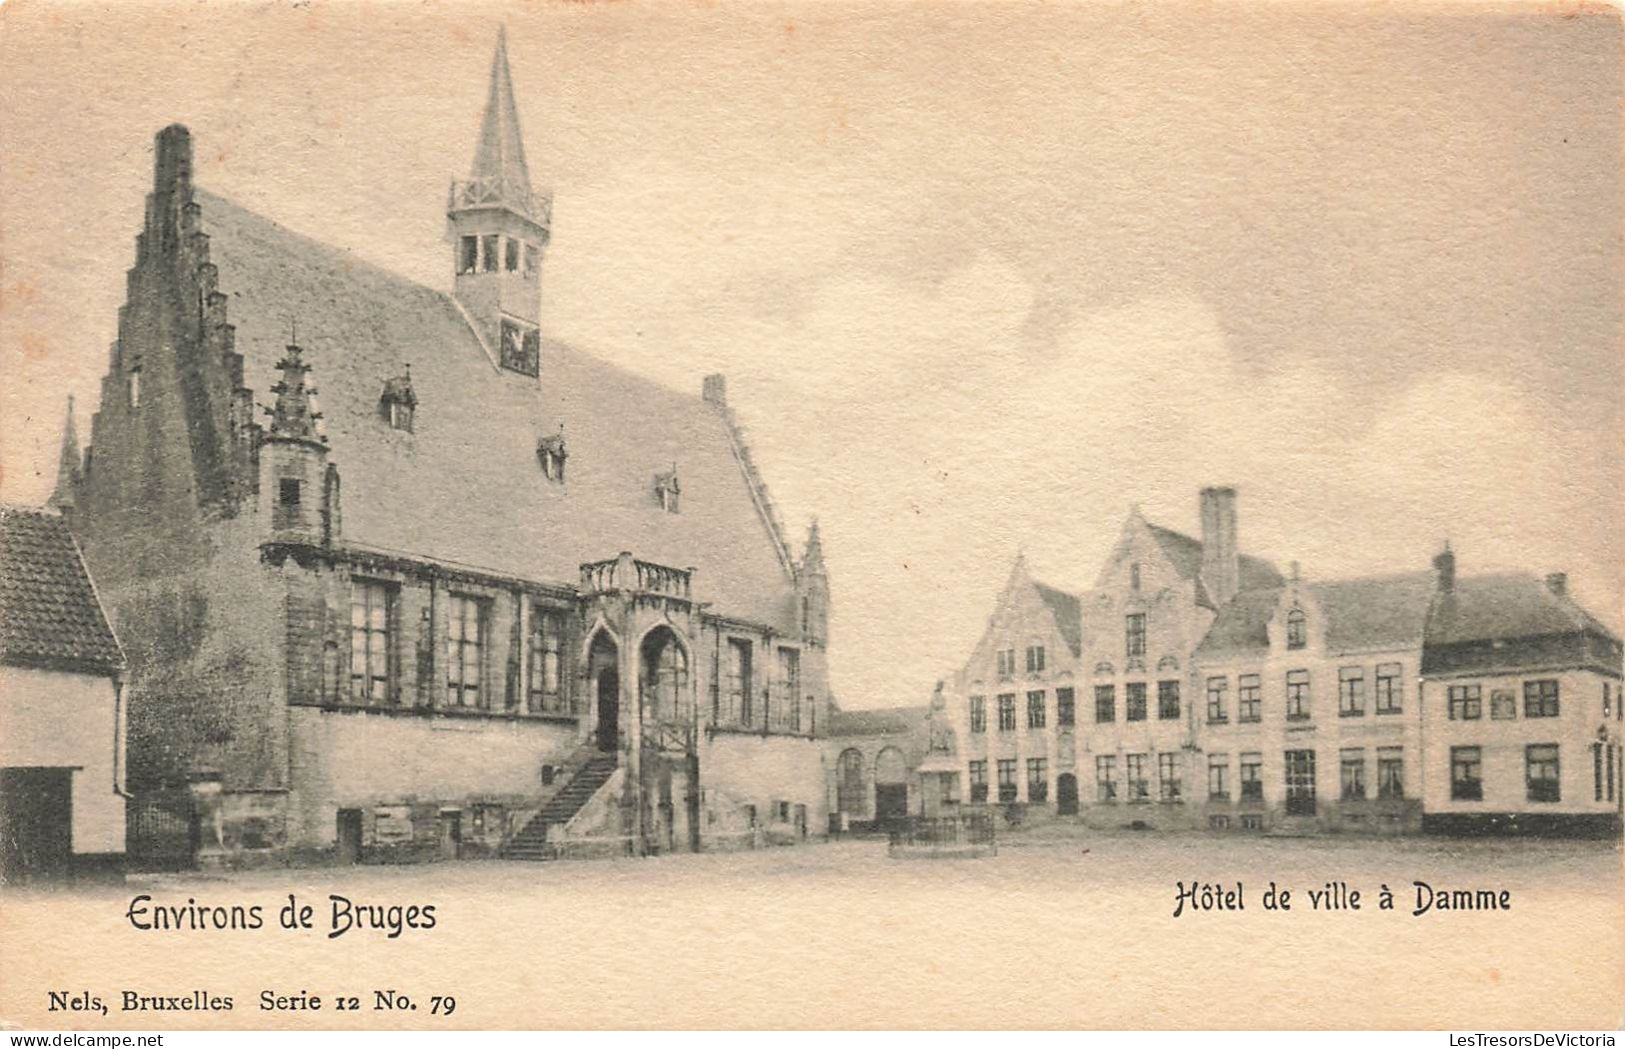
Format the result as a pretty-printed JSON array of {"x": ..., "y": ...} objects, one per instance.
[{"x": 811, "y": 515}]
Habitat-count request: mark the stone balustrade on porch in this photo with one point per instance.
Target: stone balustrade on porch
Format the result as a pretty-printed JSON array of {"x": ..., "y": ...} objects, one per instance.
[{"x": 627, "y": 573}]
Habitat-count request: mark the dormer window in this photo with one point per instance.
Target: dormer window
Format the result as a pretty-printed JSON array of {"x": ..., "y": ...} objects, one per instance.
[
  {"x": 399, "y": 403},
  {"x": 521, "y": 347},
  {"x": 667, "y": 491},
  {"x": 468, "y": 255},
  {"x": 1297, "y": 629},
  {"x": 550, "y": 452}
]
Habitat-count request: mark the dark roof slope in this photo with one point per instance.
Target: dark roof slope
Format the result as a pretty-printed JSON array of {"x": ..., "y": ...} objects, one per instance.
[
  {"x": 465, "y": 486},
  {"x": 1185, "y": 553},
  {"x": 879, "y": 722},
  {"x": 1239, "y": 628},
  {"x": 49, "y": 614},
  {"x": 1068, "y": 612}
]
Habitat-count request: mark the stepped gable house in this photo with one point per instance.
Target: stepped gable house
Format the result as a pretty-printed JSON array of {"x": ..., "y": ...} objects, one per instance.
[
  {"x": 1197, "y": 687},
  {"x": 420, "y": 578}
]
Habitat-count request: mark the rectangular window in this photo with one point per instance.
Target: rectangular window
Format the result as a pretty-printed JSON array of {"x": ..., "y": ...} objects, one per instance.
[
  {"x": 1300, "y": 782},
  {"x": 1105, "y": 703},
  {"x": 1249, "y": 701},
  {"x": 978, "y": 782},
  {"x": 1541, "y": 772},
  {"x": 468, "y": 255},
  {"x": 1252, "y": 777},
  {"x": 1390, "y": 689},
  {"x": 1540, "y": 699},
  {"x": 1466, "y": 703},
  {"x": 1217, "y": 688},
  {"x": 288, "y": 491},
  {"x": 1007, "y": 662},
  {"x": 1351, "y": 692},
  {"x": 546, "y": 639},
  {"x": 1106, "y": 777},
  {"x": 1064, "y": 703},
  {"x": 739, "y": 681},
  {"x": 789, "y": 690},
  {"x": 1297, "y": 695},
  {"x": 1503, "y": 705},
  {"x": 1352, "y": 763},
  {"x": 1466, "y": 774},
  {"x": 1037, "y": 780},
  {"x": 1007, "y": 712},
  {"x": 511, "y": 255},
  {"x": 1035, "y": 659},
  {"x": 1007, "y": 779},
  {"x": 1167, "y": 700},
  {"x": 1390, "y": 772},
  {"x": 372, "y": 634},
  {"x": 488, "y": 251},
  {"x": 1035, "y": 710},
  {"x": 1218, "y": 777},
  {"x": 978, "y": 713},
  {"x": 465, "y": 650},
  {"x": 1134, "y": 635},
  {"x": 1134, "y": 701},
  {"x": 1169, "y": 785},
  {"x": 1134, "y": 768}
]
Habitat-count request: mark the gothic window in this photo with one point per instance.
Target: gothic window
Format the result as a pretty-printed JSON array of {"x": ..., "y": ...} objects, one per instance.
[
  {"x": 521, "y": 347},
  {"x": 668, "y": 491},
  {"x": 511, "y": 255},
  {"x": 739, "y": 686},
  {"x": 1297, "y": 629},
  {"x": 372, "y": 632},
  {"x": 465, "y": 645},
  {"x": 789, "y": 689},
  {"x": 488, "y": 251},
  {"x": 468, "y": 255},
  {"x": 533, "y": 260},
  {"x": 546, "y": 636}
]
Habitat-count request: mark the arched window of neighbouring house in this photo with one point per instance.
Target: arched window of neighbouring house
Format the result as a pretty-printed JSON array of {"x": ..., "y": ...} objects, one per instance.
[{"x": 1297, "y": 629}]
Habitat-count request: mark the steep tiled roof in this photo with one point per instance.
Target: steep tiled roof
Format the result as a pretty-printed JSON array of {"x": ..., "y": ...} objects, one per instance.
[
  {"x": 465, "y": 486},
  {"x": 1068, "y": 612},
  {"x": 1185, "y": 553},
  {"x": 1505, "y": 607},
  {"x": 879, "y": 722},
  {"x": 1239, "y": 628},
  {"x": 49, "y": 614},
  {"x": 1374, "y": 612}
]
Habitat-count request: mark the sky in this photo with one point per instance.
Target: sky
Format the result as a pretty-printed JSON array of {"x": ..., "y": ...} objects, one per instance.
[{"x": 981, "y": 275}]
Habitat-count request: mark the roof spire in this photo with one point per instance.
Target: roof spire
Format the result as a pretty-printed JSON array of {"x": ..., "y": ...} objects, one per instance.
[
  {"x": 295, "y": 415},
  {"x": 499, "y": 159},
  {"x": 67, "y": 467},
  {"x": 812, "y": 560}
]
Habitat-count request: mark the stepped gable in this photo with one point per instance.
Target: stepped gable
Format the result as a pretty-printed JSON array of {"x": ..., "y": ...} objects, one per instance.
[
  {"x": 50, "y": 617},
  {"x": 465, "y": 485}
]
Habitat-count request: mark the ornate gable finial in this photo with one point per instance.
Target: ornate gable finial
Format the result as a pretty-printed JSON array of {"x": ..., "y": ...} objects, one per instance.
[
  {"x": 295, "y": 416},
  {"x": 812, "y": 558}
]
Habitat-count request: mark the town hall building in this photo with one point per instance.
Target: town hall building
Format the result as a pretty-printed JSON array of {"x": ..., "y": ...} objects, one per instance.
[{"x": 397, "y": 574}]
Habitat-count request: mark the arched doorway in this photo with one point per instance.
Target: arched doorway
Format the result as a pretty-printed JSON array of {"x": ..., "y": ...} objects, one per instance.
[
  {"x": 1066, "y": 794},
  {"x": 891, "y": 786},
  {"x": 603, "y": 670},
  {"x": 664, "y": 667}
]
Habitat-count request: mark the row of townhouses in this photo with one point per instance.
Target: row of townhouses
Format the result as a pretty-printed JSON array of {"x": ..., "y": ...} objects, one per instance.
[{"x": 1198, "y": 686}]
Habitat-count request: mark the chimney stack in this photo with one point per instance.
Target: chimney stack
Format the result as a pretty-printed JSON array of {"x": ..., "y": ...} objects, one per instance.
[
  {"x": 1444, "y": 567},
  {"x": 714, "y": 390},
  {"x": 1558, "y": 583},
  {"x": 1221, "y": 563}
]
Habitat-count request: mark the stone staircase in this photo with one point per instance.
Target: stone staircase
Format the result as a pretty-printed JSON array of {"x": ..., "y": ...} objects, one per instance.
[{"x": 531, "y": 842}]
